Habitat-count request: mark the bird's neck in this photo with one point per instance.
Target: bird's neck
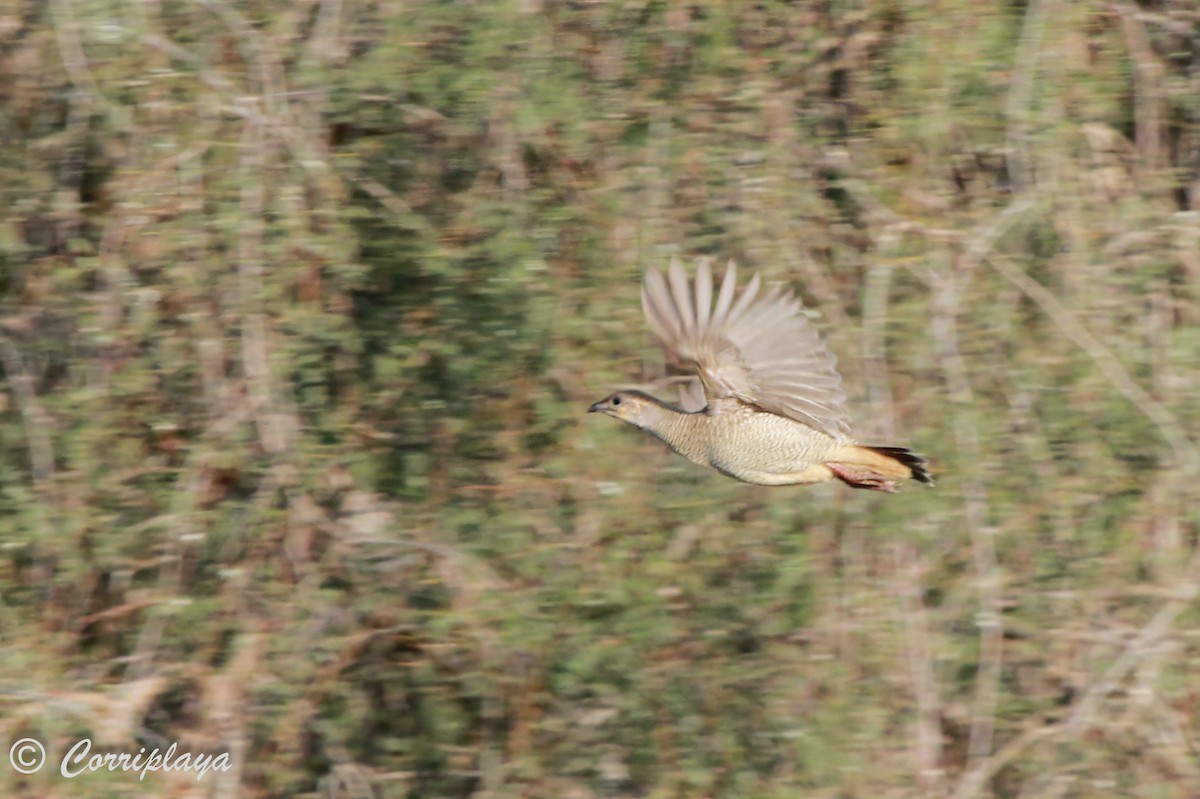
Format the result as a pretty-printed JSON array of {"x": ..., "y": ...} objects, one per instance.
[{"x": 679, "y": 429}]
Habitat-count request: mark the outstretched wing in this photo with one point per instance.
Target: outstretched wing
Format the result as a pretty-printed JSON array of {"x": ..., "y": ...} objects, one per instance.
[
  {"x": 691, "y": 395},
  {"x": 761, "y": 350}
]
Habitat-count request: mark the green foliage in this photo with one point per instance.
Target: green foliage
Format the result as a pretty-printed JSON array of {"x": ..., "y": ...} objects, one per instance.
[{"x": 303, "y": 305}]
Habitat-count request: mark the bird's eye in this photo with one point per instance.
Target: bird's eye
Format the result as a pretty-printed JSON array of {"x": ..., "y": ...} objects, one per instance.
[{"x": 616, "y": 400}]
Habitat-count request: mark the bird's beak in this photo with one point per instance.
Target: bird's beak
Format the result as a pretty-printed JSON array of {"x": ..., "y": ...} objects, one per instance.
[{"x": 597, "y": 406}]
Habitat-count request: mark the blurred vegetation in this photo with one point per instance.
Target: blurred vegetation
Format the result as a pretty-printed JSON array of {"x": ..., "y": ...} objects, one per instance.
[{"x": 303, "y": 302}]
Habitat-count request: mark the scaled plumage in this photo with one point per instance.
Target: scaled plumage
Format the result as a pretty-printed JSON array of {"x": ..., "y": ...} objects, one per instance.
[{"x": 766, "y": 405}]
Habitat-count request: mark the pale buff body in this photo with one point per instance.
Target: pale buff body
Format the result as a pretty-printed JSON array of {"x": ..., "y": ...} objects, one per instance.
[
  {"x": 742, "y": 442},
  {"x": 766, "y": 405}
]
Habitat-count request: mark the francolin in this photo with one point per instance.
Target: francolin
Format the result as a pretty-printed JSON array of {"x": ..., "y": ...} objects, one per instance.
[{"x": 767, "y": 405}]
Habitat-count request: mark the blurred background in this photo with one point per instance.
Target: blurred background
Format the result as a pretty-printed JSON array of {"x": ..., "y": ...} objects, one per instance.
[{"x": 303, "y": 303}]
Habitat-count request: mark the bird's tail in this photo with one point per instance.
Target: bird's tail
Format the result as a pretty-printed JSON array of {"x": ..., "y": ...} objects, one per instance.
[{"x": 879, "y": 467}]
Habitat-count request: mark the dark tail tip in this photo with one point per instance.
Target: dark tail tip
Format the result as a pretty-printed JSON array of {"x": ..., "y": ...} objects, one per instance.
[{"x": 918, "y": 465}]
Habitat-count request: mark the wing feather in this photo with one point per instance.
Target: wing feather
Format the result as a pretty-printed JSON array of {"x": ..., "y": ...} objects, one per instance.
[
  {"x": 760, "y": 349},
  {"x": 744, "y": 301},
  {"x": 691, "y": 395},
  {"x": 703, "y": 295},
  {"x": 725, "y": 298},
  {"x": 659, "y": 307},
  {"x": 682, "y": 293}
]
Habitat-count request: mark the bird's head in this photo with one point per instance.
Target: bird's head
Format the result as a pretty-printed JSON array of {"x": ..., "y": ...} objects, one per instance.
[{"x": 634, "y": 407}]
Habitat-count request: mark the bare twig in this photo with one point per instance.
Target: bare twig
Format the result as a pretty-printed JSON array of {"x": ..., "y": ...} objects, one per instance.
[
  {"x": 928, "y": 741},
  {"x": 325, "y": 42},
  {"x": 1021, "y": 169},
  {"x": 1147, "y": 86},
  {"x": 1176, "y": 437},
  {"x": 1147, "y": 642},
  {"x": 1140, "y": 647},
  {"x": 70, "y": 49},
  {"x": 874, "y": 348},
  {"x": 1082, "y": 714},
  {"x": 976, "y": 778},
  {"x": 305, "y": 153},
  {"x": 255, "y": 359},
  {"x": 975, "y": 502},
  {"x": 982, "y": 241},
  {"x": 256, "y": 51},
  {"x": 949, "y": 285},
  {"x": 37, "y": 421}
]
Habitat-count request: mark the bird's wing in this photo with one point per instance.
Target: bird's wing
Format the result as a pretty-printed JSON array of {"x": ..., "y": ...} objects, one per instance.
[
  {"x": 691, "y": 395},
  {"x": 758, "y": 349}
]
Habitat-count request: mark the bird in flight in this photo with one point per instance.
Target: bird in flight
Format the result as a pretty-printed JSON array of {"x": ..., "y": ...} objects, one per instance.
[{"x": 766, "y": 405}]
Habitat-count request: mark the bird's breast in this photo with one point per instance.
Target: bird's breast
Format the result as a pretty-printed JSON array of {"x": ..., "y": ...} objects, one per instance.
[{"x": 756, "y": 442}]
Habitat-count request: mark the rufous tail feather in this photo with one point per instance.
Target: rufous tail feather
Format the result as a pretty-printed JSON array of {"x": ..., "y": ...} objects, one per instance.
[{"x": 878, "y": 468}]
